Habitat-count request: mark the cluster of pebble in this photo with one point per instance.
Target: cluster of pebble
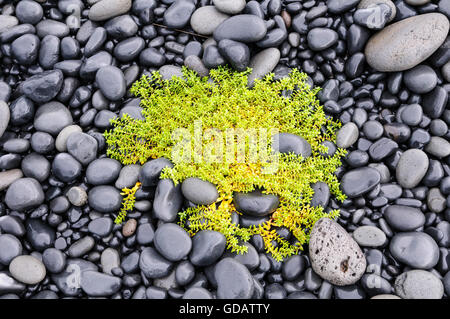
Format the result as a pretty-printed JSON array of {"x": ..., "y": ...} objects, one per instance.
[{"x": 384, "y": 67}]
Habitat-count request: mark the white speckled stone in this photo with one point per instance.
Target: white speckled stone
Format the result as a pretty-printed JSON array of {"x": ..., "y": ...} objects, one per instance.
[{"x": 334, "y": 255}]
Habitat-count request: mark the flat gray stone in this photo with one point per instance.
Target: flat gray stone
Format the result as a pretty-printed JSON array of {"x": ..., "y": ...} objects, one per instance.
[
  {"x": 206, "y": 19},
  {"x": 411, "y": 168},
  {"x": 369, "y": 236},
  {"x": 107, "y": 9},
  {"x": 419, "y": 284},
  {"x": 27, "y": 269},
  {"x": 263, "y": 63},
  {"x": 347, "y": 135}
]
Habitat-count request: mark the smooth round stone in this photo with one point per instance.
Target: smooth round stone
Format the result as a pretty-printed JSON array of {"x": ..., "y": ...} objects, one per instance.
[
  {"x": 172, "y": 242},
  {"x": 359, "y": 181},
  {"x": 22, "y": 111},
  {"x": 27, "y": 269},
  {"x": 9, "y": 177},
  {"x": 419, "y": 284},
  {"x": 420, "y": 79},
  {"x": 111, "y": 82},
  {"x": 405, "y": 44},
  {"x": 134, "y": 112},
  {"x": 16, "y": 145},
  {"x": 103, "y": 171},
  {"x": 404, "y": 218},
  {"x": 24, "y": 194},
  {"x": 128, "y": 176},
  {"x": 411, "y": 168},
  {"x": 82, "y": 146},
  {"x": 49, "y": 51},
  {"x": 105, "y": 199},
  {"x": 434, "y": 103},
  {"x": 107, "y": 9},
  {"x": 122, "y": 27},
  {"x": 101, "y": 227},
  {"x": 206, "y": 19},
  {"x": 5, "y": 116},
  {"x": 178, "y": 14},
  {"x": 236, "y": 53},
  {"x": 369, "y": 236},
  {"x": 54, "y": 260},
  {"x": 129, "y": 49},
  {"x": 52, "y": 27},
  {"x": 97, "y": 284},
  {"x": 234, "y": 280},
  {"x": 61, "y": 139},
  {"x": 129, "y": 228},
  {"x": 168, "y": 200},
  {"x": 109, "y": 260},
  {"x": 12, "y": 225},
  {"x": 438, "y": 147},
  {"x": 169, "y": 71},
  {"x": 207, "y": 247},
  {"x": 321, "y": 195},
  {"x": 10, "y": 248},
  {"x": 43, "y": 87},
  {"x": 66, "y": 168},
  {"x": 230, "y": 6},
  {"x": 7, "y": 22},
  {"x": 415, "y": 249},
  {"x": 25, "y": 49},
  {"x": 152, "y": 57},
  {"x": 436, "y": 201},
  {"x": 197, "y": 293},
  {"x": 242, "y": 28},
  {"x": 52, "y": 118},
  {"x": 198, "y": 191},
  {"x": 153, "y": 265},
  {"x": 256, "y": 203},
  {"x": 40, "y": 235},
  {"x": 320, "y": 39},
  {"x": 36, "y": 166},
  {"x": 150, "y": 171},
  {"x": 291, "y": 143},
  {"x": 145, "y": 234},
  {"x": 42, "y": 143},
  {"x": 92, "y": 64},
  {"x": 262, "y": 64},
  {"x": 334, "y": 255},
  {"x": 81, "y": 247},
  {"x": 347, "y": 135},
  {"x": 412, "y": 114}
]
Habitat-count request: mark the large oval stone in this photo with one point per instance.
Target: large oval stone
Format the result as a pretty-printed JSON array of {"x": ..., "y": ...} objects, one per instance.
[
  {"x": 360, "y": 181},
  {"x": 415, "y": 249},
  {"x": 242, "y": 28},
  {"x": 405, "y": 44},
  {"x": 23, "y": 194}
]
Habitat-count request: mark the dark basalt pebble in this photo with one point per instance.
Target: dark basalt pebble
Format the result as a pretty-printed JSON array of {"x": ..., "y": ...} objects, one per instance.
[{"x": 255, "y": 203}]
